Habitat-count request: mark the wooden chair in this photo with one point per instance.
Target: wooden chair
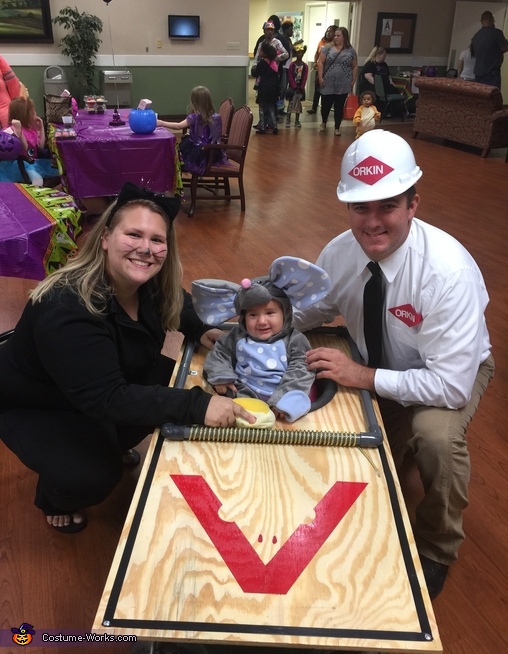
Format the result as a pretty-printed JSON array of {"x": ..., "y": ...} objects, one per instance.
[
  {"x": 226, "y": 111},
  {"x": 389, "y": 100},
  {"x": 216, "y": 178}
]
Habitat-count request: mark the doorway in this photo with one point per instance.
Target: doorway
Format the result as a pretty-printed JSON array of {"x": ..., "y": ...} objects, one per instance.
[{"x": 317, "y": 16}]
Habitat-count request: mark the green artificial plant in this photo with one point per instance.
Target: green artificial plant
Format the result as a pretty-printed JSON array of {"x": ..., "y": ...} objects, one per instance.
[{"x": 81, "y": 45}]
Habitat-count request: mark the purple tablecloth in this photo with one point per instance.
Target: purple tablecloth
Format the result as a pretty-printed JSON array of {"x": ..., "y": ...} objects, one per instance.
[
  {"x": 38, "y": 229},
  {"x": 102, "y": 158}
]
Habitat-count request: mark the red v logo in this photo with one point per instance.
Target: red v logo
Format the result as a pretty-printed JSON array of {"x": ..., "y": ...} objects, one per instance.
[{"x": 281, "y": 572}]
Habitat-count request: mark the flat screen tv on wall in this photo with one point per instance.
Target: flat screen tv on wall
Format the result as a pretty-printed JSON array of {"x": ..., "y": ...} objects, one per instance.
[{"x": 183, "y": 27}]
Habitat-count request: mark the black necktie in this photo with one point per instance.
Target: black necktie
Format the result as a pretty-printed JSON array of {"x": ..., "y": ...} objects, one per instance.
[{"x": 373, "y": 302}]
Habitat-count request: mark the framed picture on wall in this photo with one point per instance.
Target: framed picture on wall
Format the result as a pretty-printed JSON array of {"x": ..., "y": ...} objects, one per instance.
[
  {"x": 396, "y": 32},
  {"x": 296, "y": 18},
  {"x": 25, "y": 22}
]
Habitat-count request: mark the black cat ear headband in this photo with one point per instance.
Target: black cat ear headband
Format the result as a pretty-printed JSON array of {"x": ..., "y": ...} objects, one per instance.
[{"x": 169, "y": 204}]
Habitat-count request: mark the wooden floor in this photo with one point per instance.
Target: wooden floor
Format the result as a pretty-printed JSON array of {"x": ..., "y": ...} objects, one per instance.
[{"x": 54, "y": 581}]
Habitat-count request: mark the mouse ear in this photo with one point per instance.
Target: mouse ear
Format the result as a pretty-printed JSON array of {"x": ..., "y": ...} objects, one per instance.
[
  {"x": 214, "y": 300},
  {"x": 303, "y": 282}
]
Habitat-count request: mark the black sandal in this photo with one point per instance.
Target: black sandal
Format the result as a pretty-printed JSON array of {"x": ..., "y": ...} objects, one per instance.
[
  {"x": 72, "y": 527},
  {"x": 131, "y": 459}
]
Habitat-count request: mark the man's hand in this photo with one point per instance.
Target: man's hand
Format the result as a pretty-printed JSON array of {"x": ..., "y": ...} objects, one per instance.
[
  {"x": 222, "y": 412},
  {"x": 209, "y": 338},
  {"x": 334, "y": 364}
]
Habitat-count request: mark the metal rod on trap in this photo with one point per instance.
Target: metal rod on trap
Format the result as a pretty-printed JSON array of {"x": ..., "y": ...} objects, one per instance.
[{"x": 271, "y": 436}]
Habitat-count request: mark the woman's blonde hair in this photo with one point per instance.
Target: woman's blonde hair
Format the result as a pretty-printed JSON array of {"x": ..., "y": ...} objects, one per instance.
[
  {"x": 377, "y": 50},
  {"x": 86, "y": 273},
  {"x": 201, "y": 103}
]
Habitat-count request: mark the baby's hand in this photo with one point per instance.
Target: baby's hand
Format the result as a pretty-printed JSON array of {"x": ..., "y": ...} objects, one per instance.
[
  {"x": 209, "y": 338},
  {"x": 16, "y": 127},
  {"x": 222, "y": 389},
  {"x": 38, "y": 122}
]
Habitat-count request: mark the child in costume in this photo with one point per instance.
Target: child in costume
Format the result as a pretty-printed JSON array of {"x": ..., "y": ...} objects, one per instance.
[
  {"x": 298, "y": 72},
  {"x": 366, "y": 116},
  {"x": 205, "y": 128},
  {"x": 263, "y": 356},
  {"x": 25, "y": 124},
  {"x": 267, "y": 73}
]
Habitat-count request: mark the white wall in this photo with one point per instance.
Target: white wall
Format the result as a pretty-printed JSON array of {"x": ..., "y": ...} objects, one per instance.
[{"x": 137, "y": 26}]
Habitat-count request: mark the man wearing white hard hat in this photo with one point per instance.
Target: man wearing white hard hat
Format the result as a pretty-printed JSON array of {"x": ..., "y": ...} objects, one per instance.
[{"x": 433, "y": 360}]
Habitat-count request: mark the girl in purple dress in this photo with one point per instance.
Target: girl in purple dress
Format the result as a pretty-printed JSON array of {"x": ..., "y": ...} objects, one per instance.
[{"x": 205, "y": 127}]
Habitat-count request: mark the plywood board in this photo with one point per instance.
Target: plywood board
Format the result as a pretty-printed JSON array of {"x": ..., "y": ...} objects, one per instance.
[{"x": 270, "y": 544}]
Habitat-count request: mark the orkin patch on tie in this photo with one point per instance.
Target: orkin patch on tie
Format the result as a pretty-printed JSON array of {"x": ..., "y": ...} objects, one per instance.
[
  {"x": 370, "y": 170},
  {"x": 408, "y": 314}
]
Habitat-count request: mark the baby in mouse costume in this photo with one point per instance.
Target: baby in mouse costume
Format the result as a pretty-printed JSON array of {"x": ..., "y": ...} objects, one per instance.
[{"x": 263, "y": 356}]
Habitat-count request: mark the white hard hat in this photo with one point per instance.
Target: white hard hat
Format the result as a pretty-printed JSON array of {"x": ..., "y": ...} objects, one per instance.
[{"x": 377, "y": 166}]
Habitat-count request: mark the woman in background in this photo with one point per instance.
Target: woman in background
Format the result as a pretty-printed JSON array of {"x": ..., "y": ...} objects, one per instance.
[
  {"x": 327, "y": 38},
  {"x": 375, "y": 64},
  {"x": 337, "y": 71},
  {"x": 9, "y": 89},
  {"x": 465, "y": 67}
]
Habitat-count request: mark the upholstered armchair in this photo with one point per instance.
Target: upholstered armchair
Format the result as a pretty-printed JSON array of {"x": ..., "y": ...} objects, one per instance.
[{"x": 461, "y": 111}]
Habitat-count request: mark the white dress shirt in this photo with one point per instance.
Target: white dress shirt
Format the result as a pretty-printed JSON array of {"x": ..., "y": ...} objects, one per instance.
[{"x": 434, "y": 335}]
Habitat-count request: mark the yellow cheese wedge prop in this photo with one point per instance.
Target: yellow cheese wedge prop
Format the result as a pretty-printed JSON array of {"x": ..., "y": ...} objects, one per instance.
[{"x": 265, "y": 416}]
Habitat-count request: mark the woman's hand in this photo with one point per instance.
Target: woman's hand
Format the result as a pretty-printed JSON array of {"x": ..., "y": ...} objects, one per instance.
[
  {"x": 209, "y": 338},
  {"x": 321, "y": 68},
  {"x": 222, "y": 412}
]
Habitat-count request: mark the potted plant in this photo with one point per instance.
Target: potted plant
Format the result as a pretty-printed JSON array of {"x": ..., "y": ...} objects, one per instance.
[{"x": 81, "y": 44}]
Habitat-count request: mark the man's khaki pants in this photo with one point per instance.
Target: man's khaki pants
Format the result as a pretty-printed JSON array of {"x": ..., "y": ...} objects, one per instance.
[{"x": 437, "y": 439}]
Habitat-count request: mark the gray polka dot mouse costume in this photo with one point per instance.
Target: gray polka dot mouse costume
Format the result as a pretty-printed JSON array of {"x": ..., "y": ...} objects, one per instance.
[{"x": 272, "y": 369}]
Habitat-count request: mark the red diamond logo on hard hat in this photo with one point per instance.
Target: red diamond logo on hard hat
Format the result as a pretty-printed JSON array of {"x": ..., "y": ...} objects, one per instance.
[{"x": 370, "y": 171}]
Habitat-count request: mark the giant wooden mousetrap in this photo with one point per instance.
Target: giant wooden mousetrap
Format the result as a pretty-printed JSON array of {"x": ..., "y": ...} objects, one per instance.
[{"x": 284, "y": 545}]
